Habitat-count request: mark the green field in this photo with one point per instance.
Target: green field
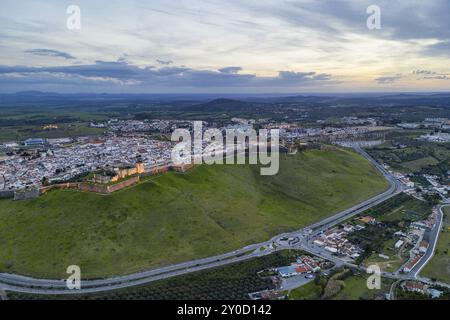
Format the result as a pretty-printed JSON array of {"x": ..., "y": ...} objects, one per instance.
[
  {"x": 439, "y": 266},
  {"x": 64, "y": 131},
  {"x": 353, "y": 287},
  {"x": 177, "y": 217},
  {"x": 418, "y": 157},
  {"x": 27, "y": 122},
  {"x": 417, "y": 165},
  {"x": 309, "y": 291}
]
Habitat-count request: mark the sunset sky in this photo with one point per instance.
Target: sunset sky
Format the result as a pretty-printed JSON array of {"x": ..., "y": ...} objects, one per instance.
[{"x": 218, "y": 46}]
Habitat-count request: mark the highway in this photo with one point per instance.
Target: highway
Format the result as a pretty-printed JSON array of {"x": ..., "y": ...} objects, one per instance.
[{"x": 299, "y": 240}]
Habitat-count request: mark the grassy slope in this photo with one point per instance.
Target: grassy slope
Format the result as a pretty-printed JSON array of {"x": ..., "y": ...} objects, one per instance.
[
  {"x": 439, "y": 266},
  {"x": 178, "y": 217}
]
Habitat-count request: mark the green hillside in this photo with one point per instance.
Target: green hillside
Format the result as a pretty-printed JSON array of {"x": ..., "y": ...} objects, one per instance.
[{"x": 177, "y": 217}]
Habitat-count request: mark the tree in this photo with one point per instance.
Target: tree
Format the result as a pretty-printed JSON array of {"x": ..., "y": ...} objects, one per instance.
[{"x": 45, "y": 181}]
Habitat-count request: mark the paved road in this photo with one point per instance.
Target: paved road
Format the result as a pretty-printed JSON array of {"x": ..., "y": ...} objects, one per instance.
[
  {"x": 47, "y": 286},
  {"x": 434, "y": 235}
]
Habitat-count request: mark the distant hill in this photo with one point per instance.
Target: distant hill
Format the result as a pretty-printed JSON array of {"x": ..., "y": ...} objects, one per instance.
[
  {"x": 221, "y": 105},
  {"x": 53, "y": 98},
  {"x": 228, "y": 102}
]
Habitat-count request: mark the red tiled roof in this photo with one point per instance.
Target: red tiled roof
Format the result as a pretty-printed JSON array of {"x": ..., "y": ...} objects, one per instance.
[{"x": 410, "y": 285}]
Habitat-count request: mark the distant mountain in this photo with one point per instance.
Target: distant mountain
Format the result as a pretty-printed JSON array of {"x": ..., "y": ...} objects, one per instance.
[
  {"x": 52, "y": 98},
  {"x": 227, "y": 102},
  {"x": 34, "y": 93},
  {"x": 221, "y": 105},
  {"x": 305, "y": 99}
]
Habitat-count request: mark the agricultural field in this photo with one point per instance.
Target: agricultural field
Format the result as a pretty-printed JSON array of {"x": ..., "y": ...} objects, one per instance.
[
  {"x": 400, "y": 209},
  {"x": 28, "y": 123},
  {"x": 439, "y": 266},
  {"x": 63, "y": 131},
  {"x": 179, "y": 217}
]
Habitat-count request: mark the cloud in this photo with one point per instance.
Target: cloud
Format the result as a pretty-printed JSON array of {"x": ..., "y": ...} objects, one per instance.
[
  {"x": 429, "y": 75},
  {"x": 401, "y": 20},
  {"x": 428, "y": 72},
  {"x": 261, "y": 36},
  {"x": 289, "y": 76},
  {"x": 388, "y": 79},
  {"x": 441, "y": 48},
  {"x": 230, "y": 70},
  {"x": 437, "y": 77},
  {"x": 126, "y": 75},
  {"x": 164, "y": 62},
  {"x": 50, "y": 53}
]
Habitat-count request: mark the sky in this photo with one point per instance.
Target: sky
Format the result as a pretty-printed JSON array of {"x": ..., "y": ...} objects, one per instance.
[{"x": 219, "y": 46}]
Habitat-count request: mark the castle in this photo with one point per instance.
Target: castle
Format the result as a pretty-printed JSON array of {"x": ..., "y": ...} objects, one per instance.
[
  {"x": 105, "y": 182},
  {"x": 108, "y": 176}
]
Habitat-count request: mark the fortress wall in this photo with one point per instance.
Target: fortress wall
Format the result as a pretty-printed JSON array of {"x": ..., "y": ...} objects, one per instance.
[
  {"x": 99, "y": 188},
  {"x": 68, "y": 185},
  {"x": 96, "y": 187},
  {"x": 123, "y": 184},
  {"x": 156, "y": 170},
  {"x": 26, "y": 194},
  {"x": 6, "y": 194}
]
